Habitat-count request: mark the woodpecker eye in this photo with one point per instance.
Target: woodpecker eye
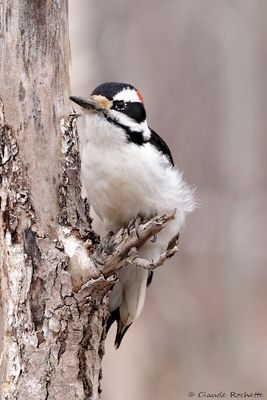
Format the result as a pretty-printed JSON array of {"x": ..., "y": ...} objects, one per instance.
[{"x": 119, "y": 105}]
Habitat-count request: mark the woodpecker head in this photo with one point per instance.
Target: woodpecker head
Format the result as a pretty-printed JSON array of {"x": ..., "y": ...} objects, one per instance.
[{"x": 117, "y": 110}]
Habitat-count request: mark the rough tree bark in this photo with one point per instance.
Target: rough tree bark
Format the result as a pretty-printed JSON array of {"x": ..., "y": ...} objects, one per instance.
[{"x": 54, "y": 317}]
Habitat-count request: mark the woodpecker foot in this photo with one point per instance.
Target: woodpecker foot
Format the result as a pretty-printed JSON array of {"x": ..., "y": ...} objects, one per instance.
[
  {"x": 106, "y": 246},
  {"x": 133, "y": 258},
  {"x": 135, "y": 223},
  {"x": 97, "y": 259}
]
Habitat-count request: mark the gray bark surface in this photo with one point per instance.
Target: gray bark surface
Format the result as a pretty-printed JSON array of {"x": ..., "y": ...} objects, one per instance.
[
  {"x": 53, "y": 338},
  {"x": 54, "y": 294}
]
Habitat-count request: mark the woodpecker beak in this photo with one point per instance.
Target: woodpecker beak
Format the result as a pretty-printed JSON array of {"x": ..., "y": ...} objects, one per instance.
[{"x": 95, "y": 102}]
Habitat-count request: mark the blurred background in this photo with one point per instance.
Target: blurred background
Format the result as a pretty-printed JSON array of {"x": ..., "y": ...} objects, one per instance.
[{"x": 201, "y": 67}]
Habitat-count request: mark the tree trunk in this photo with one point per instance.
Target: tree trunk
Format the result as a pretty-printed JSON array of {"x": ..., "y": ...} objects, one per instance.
[
  {"x": 53, "y": 338},
  {"x": 54, "y": 294}
]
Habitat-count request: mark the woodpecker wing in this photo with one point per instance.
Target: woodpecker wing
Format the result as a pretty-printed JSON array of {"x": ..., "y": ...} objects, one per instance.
[{"x": 160, "y": 145}]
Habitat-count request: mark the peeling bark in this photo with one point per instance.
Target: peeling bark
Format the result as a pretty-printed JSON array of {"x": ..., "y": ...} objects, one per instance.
[{"x": 55, "y": 275}]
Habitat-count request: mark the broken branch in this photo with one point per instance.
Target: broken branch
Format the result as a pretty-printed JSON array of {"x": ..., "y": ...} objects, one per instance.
[
  {"x": 113, "y": 251},
  {"x": 150, "y": 265}
]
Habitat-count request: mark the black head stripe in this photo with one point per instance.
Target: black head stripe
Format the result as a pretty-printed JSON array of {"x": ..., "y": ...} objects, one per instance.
[
  {"x": 132, "y": 136},
  {"x": 110, "y": 89},
  {"x": 134, "y": 110}
]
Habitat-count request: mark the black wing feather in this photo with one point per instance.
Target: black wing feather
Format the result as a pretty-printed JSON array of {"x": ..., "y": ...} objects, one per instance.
[{"x": 160, "y": 145}]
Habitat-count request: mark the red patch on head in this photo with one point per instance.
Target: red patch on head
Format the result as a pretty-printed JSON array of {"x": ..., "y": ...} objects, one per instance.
[{"x": 139, "y": 95}]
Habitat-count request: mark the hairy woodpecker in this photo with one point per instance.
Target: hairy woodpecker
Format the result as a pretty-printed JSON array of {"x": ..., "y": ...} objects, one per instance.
[{"x": 128, "y": 171}]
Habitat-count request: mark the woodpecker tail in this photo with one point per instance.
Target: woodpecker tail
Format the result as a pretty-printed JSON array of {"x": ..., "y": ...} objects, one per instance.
[
  {"x": 127, "y": 299},
  {"x": 121, "y": 330}
]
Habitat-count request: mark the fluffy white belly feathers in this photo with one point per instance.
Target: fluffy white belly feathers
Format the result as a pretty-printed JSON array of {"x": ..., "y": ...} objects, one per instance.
[{"x": 122, "y": 183}]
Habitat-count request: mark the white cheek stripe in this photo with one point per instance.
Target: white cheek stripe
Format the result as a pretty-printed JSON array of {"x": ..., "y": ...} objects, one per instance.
[
  {"x": 128, "y": 95},
  {"x": 125, "y": 120},
  {"x": 134, "y": 126}
]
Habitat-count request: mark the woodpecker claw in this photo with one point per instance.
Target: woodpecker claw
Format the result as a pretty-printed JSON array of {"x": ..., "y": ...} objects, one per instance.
[
  {"x": 105, "y": 246},
  {"x": 137, "y": 224},
  {"x": 130, "y": 226},
  {"x": 97, "y": 259},
  {"x": 134, "y": 224},
  {"x": 154, "y": 239}
]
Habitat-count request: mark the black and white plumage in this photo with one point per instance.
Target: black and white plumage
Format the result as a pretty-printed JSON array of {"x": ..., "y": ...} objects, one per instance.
[{"x": 128, "y": 171}]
